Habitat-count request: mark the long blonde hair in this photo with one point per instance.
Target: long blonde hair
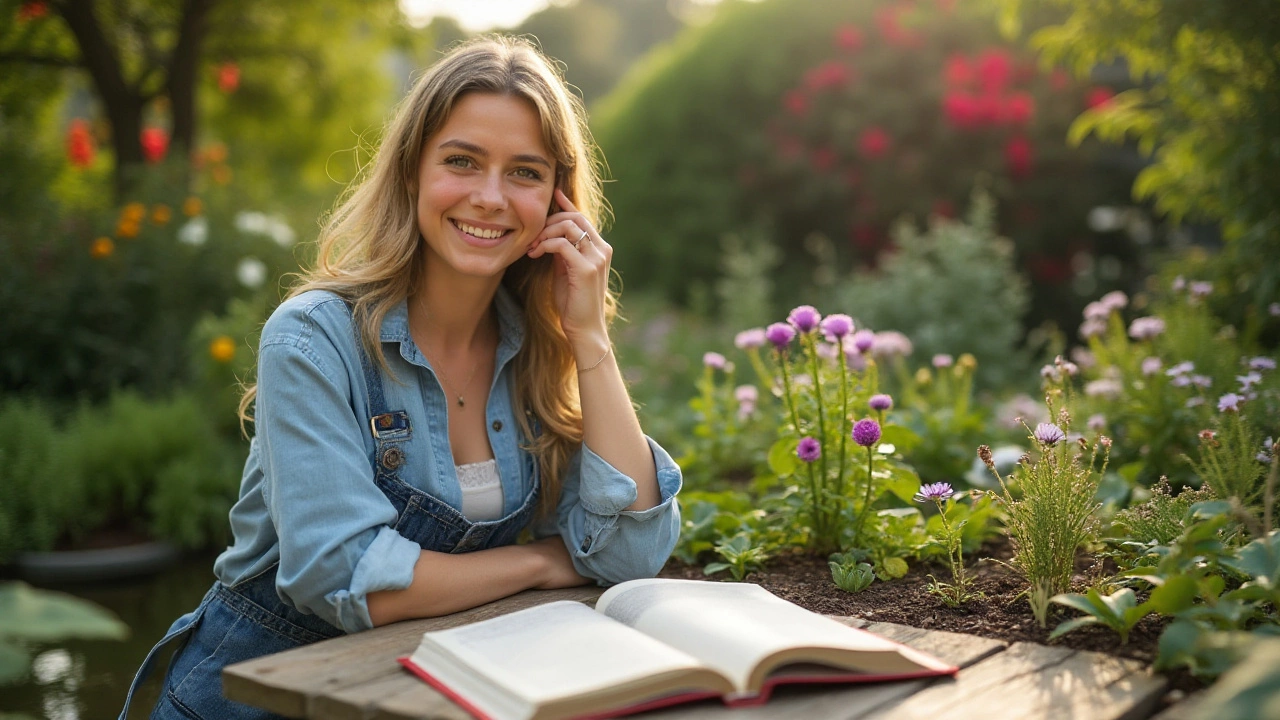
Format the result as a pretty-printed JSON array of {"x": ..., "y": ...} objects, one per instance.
[{"x": 371, "y": 252}]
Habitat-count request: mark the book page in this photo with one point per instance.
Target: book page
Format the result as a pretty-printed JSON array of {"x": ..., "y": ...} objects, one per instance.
[
  {"x": 732, "y": 627},
  {"x": 546, "y": 652}
]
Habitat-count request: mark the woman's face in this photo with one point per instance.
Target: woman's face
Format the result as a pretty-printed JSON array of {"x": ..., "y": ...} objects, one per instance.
[{"x": 485, "y": 182}]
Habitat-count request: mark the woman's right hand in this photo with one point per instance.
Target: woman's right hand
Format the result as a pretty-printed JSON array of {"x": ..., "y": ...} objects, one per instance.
[{"x": 558, "y": 570}]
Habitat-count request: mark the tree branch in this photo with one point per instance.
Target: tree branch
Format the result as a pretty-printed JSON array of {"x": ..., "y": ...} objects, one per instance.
[{"x": 32, "y": 59}]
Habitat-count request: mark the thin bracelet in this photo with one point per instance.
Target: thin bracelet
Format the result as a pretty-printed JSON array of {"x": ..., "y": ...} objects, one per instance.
[{"x": 597, "y": 363}]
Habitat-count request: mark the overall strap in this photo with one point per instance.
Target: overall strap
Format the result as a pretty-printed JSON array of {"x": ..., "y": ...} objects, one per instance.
[{"x": 376, "y": 401}]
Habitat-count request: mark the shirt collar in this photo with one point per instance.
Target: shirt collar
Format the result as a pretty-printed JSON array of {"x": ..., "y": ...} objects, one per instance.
[{"x": 395, "y": 324}]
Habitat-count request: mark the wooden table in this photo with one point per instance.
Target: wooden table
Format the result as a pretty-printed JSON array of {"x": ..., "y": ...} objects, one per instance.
[{"x": 357, "y": 677}]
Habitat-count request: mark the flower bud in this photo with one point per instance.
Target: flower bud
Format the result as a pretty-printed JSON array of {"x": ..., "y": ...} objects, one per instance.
[{"x": 984, "y": 452}]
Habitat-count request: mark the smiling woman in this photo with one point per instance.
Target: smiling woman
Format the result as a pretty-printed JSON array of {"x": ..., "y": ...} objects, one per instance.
[{"x": 384, "y": 482}]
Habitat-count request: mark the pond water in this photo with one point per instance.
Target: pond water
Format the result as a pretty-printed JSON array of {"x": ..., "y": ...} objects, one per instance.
[{"x": 87, "y": 680}]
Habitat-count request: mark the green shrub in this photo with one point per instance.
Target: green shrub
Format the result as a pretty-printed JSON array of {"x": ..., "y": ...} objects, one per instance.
[
  {"x": 42, "y": 496},
  {"x": 816, "y": 119}
]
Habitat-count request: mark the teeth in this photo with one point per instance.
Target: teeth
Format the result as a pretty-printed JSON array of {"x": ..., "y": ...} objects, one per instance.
[{"x": 472, "y": 230}]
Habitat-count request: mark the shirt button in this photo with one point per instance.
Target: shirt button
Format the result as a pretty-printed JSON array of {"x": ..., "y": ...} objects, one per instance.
[
  {"x": 392, "y": 458},
  {"x": 497, "y": 425}
]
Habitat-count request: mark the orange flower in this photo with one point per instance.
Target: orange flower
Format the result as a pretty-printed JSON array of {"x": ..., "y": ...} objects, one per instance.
[
  {"x": 134, "y": 211},
  {"x": 161, "y": 214},
  {"x": 127, "y": 228},
  {"x": 102, "y": 247},
  {"x": 192, "y": 206},
  {"x": 217, "y": 153},
  {"x": 221, "y": 174},
  {"x": 222, "y": 349}
]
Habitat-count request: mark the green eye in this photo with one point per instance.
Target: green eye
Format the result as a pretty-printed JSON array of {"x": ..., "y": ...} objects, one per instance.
[{"x": 529, "y": 173}]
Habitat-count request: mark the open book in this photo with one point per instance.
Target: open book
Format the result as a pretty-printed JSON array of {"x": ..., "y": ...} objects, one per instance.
[{"x": 648, "y": 644}]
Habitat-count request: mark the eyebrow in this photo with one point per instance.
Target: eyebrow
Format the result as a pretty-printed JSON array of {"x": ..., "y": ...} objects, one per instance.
[{"x": 477, "y": 150}]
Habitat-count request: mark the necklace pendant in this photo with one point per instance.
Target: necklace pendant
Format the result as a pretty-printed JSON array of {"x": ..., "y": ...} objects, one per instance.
[{"x": 460, "y": 402}]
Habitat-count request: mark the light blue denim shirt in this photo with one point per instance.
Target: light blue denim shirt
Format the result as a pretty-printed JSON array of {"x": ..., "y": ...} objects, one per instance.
[{"x": 307, "y": 497}]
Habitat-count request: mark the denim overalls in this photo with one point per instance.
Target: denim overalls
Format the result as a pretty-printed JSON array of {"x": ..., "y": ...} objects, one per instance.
[{"x": 248, "y": 619}]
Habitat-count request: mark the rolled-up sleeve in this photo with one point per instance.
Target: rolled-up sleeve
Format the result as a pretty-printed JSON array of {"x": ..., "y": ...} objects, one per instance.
[
  {"x": 334, "y": 525},
  {"x": 608, "y": 543}
]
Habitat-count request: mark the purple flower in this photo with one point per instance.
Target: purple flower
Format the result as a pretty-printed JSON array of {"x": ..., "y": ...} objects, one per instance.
[
  {"x": 1114, "y": 300},
  {"x": 1083, "y": 357},
  {"x": 1145, "y": 328},
  {"x": 1104, "y": 387},
  {"x": 1179, "y": 284},
  {"x": 1196, "y": 401},
  {"x": 866, "y": 432},
  {"x": 714, "y": 360},
  {"x": 942, "y": 360},
  {"x": 746, "y": 395},
  {"x": 1151, "y": 366},
  {"x": 864, "y": 340},
  {"x": 827, "y": 351},
  {"x": 852, "y": 358},
  {"x": 808, "y": 450},
  {"x": 748, "y": 339},
  {"x": 1248, "y": 380},
  {"x": 934, "y": 492},
  {"x": 837, "y": 326},
  {"x": 880, "y": 402},
  {"x": 890, "y": 343},
  {"x": 1092, "y": 327},
  {"x": 1097, "y": 422},
  {"x": 1097, "y": 312},
  {"x": 1262, "y": 363},
  {"x": 804, "y": 318},
  {"x": 780, "y": 334},
  {"x": 1181, "y": 368},
  {"x": 1201, "y": 289},
  {"x": 1229, "y": 403},
  {"x": 1050, "y": 373},
  {"x": 1203, "y": 381},
  {"x": 1048, "y": 434}
]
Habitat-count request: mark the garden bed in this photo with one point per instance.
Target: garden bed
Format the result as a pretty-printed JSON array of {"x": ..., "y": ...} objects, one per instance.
[{"x": 1001, "y": 613}]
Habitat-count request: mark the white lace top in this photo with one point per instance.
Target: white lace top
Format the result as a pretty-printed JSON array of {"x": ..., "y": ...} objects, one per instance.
[{"x": 481, "y": 490}]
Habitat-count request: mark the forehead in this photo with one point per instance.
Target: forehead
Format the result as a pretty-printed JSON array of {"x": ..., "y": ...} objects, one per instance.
[{"x": 498, "y": 123}]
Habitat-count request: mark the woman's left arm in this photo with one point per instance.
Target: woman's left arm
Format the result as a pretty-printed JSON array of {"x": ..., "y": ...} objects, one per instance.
[{"x": 609, "y": 424}]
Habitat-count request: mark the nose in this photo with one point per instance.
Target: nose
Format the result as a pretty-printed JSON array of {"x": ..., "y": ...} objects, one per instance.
[{"x": 489, "y": 195}]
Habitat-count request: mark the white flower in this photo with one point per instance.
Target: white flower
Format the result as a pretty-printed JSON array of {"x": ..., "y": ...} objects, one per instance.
[
  {"x": 251, "y": 272},
  {"x": 194, "y": 232}
]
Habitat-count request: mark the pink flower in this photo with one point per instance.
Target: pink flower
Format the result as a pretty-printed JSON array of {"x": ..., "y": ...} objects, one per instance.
[
  {"x": 804, "y": 318},
  {"x": 746, "y": 395},
  {"x": 797, "y": 103},
  {"x": 961, "y": 110},
  {"x": 1017, "y": 156},
  {"x": 780, "y": 334},
  {"x": 957, "y": 70},
  {"x": 994, "y": 70},
  {"x": 831, "y": 74},
  {"x": 1099, "y": 97},
  {"x": 748, "y": 339},
  {"x": 1019, "y": 107},
  {"x": 849, "y": 37},
  {"x": 836, "y": 326},
  {"x": 873, "y": 142},
  {"x": 714, "y": 360}
]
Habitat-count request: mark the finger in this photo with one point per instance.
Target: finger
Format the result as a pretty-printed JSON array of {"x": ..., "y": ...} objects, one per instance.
[
  {"x": 562, "y": 247},
  {"x": 565, "y": 228},
  {"x": 563, "y": 201}
]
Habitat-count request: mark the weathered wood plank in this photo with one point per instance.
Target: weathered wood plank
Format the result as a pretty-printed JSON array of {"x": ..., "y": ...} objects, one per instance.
[
  {"x": 288, "y": 683},
  {"x": 850, "y": 701},
  {"x": 1035, "y": 681}
]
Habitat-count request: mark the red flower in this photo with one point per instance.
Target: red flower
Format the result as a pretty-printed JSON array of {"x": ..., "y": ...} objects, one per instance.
[
  {"x": 155, "y": 143},
  {"x": 891, "y": 28},
  {"x": 994, "y": 70},
  {"x": 873, "y": 142},
  {"x": 1018, "y": 156},
  {"x": 1099, "y": 97},
  {"x": 849, "y": 37},
  {"x": 32, "y": 11},
  {"x": 824, "y": 158},
  {"x": 80, "y": 148},
  {"x": 1019, "y": 107},
  {"x": 957, "y": 70},
  {"x": 797, "y": 103},
  {"x": 989, "y": 109},
  {"x": 961, "y": 110},
  {"x": 830, "y": 74},
  {"x": 228, "y": 77}
]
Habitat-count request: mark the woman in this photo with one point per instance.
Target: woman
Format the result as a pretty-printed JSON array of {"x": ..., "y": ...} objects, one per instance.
[{"x": 441, "y": 381}]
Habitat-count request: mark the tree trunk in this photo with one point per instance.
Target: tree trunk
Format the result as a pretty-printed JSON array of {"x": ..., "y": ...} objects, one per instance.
[{"x": 182, "y": 80}]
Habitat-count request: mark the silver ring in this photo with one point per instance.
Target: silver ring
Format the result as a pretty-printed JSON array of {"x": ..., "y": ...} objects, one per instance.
[{"x": 580, "y": 239}]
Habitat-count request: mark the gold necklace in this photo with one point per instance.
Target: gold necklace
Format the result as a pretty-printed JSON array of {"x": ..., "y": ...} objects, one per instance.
[{"x": 444, "y": 380}]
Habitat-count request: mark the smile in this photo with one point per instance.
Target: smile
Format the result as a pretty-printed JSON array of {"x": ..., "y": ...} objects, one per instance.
[{"x": 479, "y": 232}]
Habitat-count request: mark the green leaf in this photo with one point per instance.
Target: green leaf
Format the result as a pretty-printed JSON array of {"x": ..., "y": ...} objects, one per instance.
[
  {"x": 1258, "y": 559},
  {"x": 1209, "y": 509},
  {"x": 14, "y": 663},
  {"x": 1073, "y": 624},
  {"x": 902, "y": 438},
  {"x": 893, "y": 568},
  {"x": 782, "y": 457},
  {"x": 1119, "y": 602},
  {"x": 1079, "y": 602},
  {"x": 715, "y": 567},
  {"x": 1175, "y": 595},
  {"x": 44, "y": 616},
  {"x": 903, "y": 483}
]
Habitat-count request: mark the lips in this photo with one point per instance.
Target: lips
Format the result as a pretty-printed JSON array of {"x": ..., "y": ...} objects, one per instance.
[{"x": 479, "y": 232}]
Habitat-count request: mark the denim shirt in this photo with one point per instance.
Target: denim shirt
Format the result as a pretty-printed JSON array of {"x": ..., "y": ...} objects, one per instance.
[{"x": 308, "y": 500}]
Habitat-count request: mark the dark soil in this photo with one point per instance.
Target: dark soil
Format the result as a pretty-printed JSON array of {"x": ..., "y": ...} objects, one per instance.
[{"x": 1001, "y": 612}]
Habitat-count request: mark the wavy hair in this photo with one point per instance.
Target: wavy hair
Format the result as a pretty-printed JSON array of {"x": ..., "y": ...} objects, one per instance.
[{"x": 371, "y": 253}]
